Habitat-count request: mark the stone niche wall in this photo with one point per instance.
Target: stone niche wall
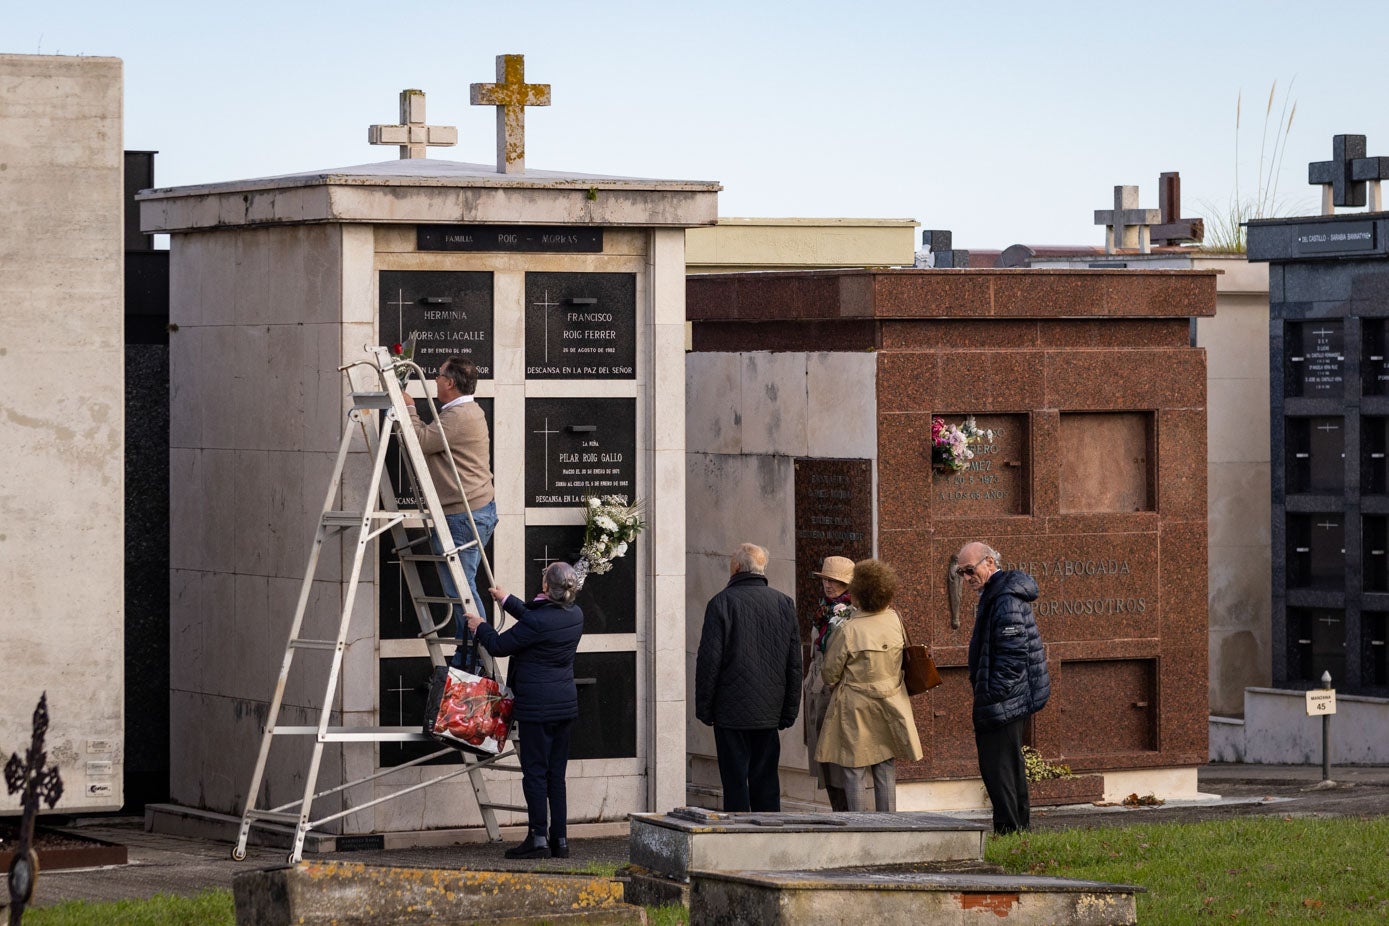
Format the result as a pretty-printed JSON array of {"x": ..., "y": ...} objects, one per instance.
[{"x": 1095, "y": 481}]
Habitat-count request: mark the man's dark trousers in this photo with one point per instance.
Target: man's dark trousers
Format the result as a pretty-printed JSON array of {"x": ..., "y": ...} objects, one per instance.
[
  {"x": 748, "y": 761},
  {"x": 1005, "y": 775}
]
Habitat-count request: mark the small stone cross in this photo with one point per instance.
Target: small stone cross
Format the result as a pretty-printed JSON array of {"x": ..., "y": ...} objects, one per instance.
[
  {"x": 1174, "y": 229},
  {"x": 38, "y": 781},
  {"x": 511, "y": 95},
  {"x": 412, "y": 135},
  {"x": 1349, "y": 178},
  {"x": 1126, "y": 226}
]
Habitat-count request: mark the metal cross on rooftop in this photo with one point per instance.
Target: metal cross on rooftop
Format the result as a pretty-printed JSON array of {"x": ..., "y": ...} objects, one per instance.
[
  {"x": 412, "y": 135},
  {"x": 1349, "y": 178},
  {"x": 511, "y": 95},
  {"x": 1126, "y": 226},
  {"x": 1174, "y": 229}
]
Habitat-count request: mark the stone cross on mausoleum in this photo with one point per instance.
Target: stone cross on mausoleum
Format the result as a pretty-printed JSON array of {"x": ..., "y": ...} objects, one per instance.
[
  {"x": 1126, "y": 226},
  {"x": 1174, "y": 229},
  {"x": 412, "y": 135},
  {"x": 1344, "y": 179},
  {"x": 511, "y": 95}
]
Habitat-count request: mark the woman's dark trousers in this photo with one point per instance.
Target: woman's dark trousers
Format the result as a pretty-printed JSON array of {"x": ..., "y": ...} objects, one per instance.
[{"x": 544, "y": 753}]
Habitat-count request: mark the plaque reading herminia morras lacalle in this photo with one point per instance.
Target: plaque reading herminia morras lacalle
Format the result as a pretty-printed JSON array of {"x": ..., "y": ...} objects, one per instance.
[{"x": 448, "y": 312}]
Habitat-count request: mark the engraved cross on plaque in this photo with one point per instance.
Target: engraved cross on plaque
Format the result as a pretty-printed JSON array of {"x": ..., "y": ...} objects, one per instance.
[
  {"x": 547, "y": 431},
  {"x": 545, "y": 306},
  {"x": 1126, "y": 225},
  {"x": 399, "y": 692},
  {"x": 412, "y": 135},
  {"x": 511, "y": 95}
]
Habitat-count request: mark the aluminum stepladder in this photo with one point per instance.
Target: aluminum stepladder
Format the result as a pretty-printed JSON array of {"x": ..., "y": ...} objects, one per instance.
[{"x": 381, "y": 417}]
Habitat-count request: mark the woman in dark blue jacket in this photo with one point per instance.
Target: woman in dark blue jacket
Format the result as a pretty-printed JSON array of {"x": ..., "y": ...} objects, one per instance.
[{"x": 541, "y": 677}]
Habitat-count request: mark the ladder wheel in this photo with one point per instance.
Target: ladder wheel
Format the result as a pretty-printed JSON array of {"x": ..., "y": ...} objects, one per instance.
[{"x": 238, "y": 854}]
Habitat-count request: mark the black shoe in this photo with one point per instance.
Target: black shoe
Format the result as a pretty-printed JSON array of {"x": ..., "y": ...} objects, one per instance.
[
  {"x": 533, "y": 847},
  {"x": 559, "y": 847}
]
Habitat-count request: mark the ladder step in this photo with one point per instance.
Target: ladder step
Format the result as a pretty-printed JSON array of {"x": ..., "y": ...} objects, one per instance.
[
  {"x": 503, "y": 768},
  {"x": 278, "y": 816},
  {"x": 488, "y": 805},
  {"x": 421, "y": 557},
  {"x": 313, "y": 644},
  {"x": 440, "y": 599},
  {"x": 371, "y": 400},
  {"x": 360, "y": 734}
]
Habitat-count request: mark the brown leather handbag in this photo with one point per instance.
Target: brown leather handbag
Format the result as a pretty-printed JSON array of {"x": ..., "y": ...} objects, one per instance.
[{"x": 918, "y": 668}]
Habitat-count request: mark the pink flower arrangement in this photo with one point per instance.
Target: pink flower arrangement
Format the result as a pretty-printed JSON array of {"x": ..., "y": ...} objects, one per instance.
[{"x": 950, "y": 443}]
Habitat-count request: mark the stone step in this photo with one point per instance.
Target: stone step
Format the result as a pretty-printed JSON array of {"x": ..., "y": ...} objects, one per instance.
[
  {"x": 687, "y": 838},
  {"x": 814, "y": 897}
]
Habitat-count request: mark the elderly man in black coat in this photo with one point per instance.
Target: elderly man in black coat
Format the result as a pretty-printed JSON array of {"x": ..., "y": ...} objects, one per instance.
[
  {"x": 748, "y": 680},
  {"x": 1008, "y": 672}
]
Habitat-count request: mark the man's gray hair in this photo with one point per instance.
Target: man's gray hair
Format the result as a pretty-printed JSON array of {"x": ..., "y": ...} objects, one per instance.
[
  {"x": 749, "y": 557},
  {"x": 994, "y": 555}
]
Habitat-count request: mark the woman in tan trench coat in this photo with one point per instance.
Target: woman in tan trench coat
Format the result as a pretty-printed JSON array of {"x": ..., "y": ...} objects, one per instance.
[{"x": 869, "y": 721}]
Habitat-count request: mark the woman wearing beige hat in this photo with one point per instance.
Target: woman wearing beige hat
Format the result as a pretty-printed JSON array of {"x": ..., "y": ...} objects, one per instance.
[
  {"x": 869, "y": 722},
  {"x": 834, "y": 575}
]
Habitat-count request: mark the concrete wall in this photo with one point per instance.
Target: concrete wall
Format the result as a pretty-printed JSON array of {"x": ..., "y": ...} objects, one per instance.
[
  {"x": 799, "y": 244},
  {"x": 61, "y": 381},
  {"x": 748, "y": 417},
  {"x": 1277, "y": 731}
]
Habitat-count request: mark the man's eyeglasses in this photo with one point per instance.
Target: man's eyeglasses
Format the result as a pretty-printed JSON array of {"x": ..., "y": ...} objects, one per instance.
[{"x": 964, "y": 571}]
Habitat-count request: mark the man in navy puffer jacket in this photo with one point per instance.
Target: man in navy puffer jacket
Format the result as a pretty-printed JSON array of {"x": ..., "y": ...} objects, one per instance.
[{"x": 1008, "y": 672}]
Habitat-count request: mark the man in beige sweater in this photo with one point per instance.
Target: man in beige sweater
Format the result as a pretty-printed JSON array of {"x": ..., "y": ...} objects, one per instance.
[{"x": 461, "y": 431}]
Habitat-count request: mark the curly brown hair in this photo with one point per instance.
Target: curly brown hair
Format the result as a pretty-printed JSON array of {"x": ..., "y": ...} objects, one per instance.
[{"x": 874, "y": 585}]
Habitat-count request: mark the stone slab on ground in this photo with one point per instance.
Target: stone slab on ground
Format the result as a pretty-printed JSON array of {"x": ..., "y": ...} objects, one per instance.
[
  {"x": 809, "y": 898},
  {"x": 689, "y": 838},
  {"x": 351, "y": 894}
]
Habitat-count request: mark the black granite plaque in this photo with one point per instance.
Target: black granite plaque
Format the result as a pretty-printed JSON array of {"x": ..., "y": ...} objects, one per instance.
[
  {"x": 1375, "y": 551},
  {"x": 1315, "y": 359},
  {"x": 448, "y": 311},
  {"x": 1374, "y": 455},
  {"x": 833, "y": 517},
  {"x": 1316, "y": 449},
  {"x": 609, "y": 601},
  {"x": 607, "y": 724},
  {"x": 404, "y": 688},
  {"x": 1341, "y": 238},
  {"x": 581, "y": 325},
  {"x": 555, "y": 239},
  {"x": 1317, "y": 551},
  {"x": 1374, "y": 648},
  {"x": 577, "y": 448},
  {"x": 1374, "y": 359},
  {"x": 1316, "y": 643},
  {"x": 396, "y": 617}
]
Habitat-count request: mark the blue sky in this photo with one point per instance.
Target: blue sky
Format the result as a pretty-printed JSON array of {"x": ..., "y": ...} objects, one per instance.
[{"x": 1006, "y": 122}]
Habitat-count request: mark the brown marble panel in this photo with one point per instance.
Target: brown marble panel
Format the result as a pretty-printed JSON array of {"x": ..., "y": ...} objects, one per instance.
[
  {"x": 823, "y": 335},
  {"x": 793, "y": 295},
  {"x": 833, "y": 517},
  {"x": 1124, "y": 379},
  {"x": 943, "y": 721},
  {"x": 1092, "y": 587},
  {"x": 950, "y": 334},
  {"x": 1107, "y": 706},
  {"x": 932, "y": 293},
  {"x": 996, "y": 481},
  {"x": 1047, "y": 293},
  {"x": 1106, "y": 462},
  {"x": 907, "y": 381},
  {"x": 991, "y": 380},
  {"x": 1182, "y": 463},
  {"x": 1110, "y": 333},
  {"x": 1046, "y": 476},
  {"x": 1165, "y": 293},
  {"x": 904, "y": 470}
]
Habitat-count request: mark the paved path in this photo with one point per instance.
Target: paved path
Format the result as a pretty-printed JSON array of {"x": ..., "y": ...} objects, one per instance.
[{"x": 180, "y": 865}]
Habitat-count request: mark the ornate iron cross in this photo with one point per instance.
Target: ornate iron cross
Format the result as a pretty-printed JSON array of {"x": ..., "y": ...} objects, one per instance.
[{"x": 39, "y": 782}]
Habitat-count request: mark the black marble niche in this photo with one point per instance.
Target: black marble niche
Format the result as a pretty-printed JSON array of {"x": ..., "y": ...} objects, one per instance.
[
  {"x": 1316, "y": 359},
  {"x": 581, "y": 325},
  {"x": 577, "y": 448},
  {"x": 395, "y": 615},
  {"x": 609, "y": 601},
  {"x": 607, "y": 724},
  {"x": 448, "y": 311},
  {"x": 1316, "y": 455},
  {"x": 403, "y": 689}
]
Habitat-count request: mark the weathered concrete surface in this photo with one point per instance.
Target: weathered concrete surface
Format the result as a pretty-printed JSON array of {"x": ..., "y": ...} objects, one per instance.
[
  {"x": 62, "y": 376},
  {"x": 350, "y": 894},
  {"x": 808, "y": 898},
  {"x": 676, "y": 843}
]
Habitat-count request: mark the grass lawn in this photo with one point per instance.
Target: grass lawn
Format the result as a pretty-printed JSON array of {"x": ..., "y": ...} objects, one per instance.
[
  {"x": 1246, "y": 870},
  {"x": 213, "y": 908}
]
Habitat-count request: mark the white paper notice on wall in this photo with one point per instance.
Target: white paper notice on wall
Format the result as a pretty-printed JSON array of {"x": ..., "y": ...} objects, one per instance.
[{"x": 1321, "y": 701}]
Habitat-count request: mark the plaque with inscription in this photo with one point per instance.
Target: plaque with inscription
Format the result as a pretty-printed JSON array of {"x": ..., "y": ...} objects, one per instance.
[
  {"x": 394, "y": 612},
  {"x": 534, "y": 239},
  {"x": 1317, "y": 551},
  {"x": 1316, "y": 449},
  {"x": 833, "y": 517},
  {"x": 995, "y": 481},
  {"x": 576, "y": 448},
  {"x": 1315, "y": 359},
  {"x": 609, "y": 601},
  {"x": 1335, "y": 238},
  {"x": 607, "y": 724},
  {"x": 447, "y": 311},
  {"x": 581, "y": 325}
]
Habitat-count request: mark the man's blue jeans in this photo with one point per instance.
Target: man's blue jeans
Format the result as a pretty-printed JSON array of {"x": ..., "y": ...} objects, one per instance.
[{"x": 469, "y": 558}]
